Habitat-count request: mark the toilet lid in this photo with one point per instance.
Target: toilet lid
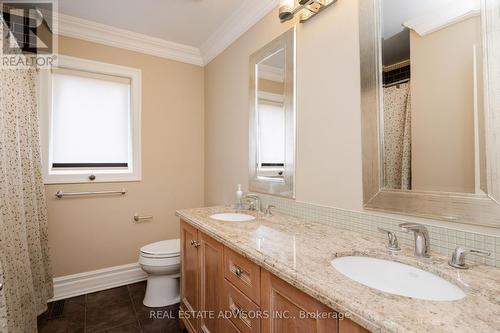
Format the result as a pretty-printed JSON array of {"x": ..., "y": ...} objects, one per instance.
[{"x": 165, "y": 249}]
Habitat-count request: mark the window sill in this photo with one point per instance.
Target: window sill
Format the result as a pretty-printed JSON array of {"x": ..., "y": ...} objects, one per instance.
[{"x": 84, "y": 179}]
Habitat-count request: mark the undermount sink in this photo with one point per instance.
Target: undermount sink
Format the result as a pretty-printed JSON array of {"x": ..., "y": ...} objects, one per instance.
[
  {"x": 396, "y": 278},
  {"x": 232, "y": 217}
]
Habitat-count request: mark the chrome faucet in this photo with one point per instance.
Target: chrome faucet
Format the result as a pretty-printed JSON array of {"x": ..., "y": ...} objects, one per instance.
[
  {"x": 422, "y": 245},
  {"x": 255, "y": 202}
]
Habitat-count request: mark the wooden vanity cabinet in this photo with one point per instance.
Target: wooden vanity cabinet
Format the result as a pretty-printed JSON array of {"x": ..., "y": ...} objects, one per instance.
[
  {"x": 190, "y": 277},
  {"x": 298, "y": 311},
  {"x": 215, "y": 279},
  {"x": 202, "y": 277}
]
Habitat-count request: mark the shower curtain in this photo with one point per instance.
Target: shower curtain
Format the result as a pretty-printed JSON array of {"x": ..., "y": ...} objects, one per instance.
[
  {"x": 397, "y": 136},
  {"x": 24, "y": 256}
]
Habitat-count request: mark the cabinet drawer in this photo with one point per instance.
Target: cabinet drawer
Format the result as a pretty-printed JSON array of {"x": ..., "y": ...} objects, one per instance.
[
  {"x": 241, "y": 310},
  {"x": 228, "y": 327},
  {"x": 243, "y": 273}
]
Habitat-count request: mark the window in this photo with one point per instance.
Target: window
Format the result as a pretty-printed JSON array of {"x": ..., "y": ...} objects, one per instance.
[
  {"x": 90, "y": 122},
  {"x": 272, "y": 134}
]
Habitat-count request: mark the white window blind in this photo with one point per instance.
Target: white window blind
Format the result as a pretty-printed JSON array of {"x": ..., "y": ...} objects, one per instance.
[
  {"x": 90, "y": 120},
  {"x": 272, "y": 133}
]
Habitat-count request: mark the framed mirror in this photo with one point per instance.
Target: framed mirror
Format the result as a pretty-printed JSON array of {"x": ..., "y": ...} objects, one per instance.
[
  {"x": 430, "y": 85},
  {"x": 272, "y": 117}
]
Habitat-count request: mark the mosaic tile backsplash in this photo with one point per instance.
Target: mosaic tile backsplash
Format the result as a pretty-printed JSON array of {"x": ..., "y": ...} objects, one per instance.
[{"x": 442, "y": 240}]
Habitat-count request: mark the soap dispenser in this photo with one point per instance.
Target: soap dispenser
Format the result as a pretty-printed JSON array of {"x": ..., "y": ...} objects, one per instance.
[{"x": 239, "y": 197}]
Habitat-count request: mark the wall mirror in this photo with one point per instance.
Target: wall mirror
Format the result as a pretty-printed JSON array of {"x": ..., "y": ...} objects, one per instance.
[
  {"x": 430, "y": 108},
  {"x": 272, "y": 117}
]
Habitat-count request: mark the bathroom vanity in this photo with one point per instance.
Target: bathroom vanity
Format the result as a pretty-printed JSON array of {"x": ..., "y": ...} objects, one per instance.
[
  {"x": 244, "y": 295},
  {"x": 263, "y": 271}
]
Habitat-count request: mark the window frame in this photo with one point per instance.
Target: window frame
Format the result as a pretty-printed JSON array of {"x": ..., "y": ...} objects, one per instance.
[{"x": 81, "y": 175}]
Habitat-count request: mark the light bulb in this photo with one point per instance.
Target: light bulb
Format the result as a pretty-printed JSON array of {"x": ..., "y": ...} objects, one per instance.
[{"x": 286, "y": 10}]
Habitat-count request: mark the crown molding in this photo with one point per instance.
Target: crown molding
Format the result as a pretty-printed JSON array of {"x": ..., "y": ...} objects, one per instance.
[
  {"x": 444, "y": 17},
  {"x": 104, "y": 34},
  {"x": 249, "y": 13}
]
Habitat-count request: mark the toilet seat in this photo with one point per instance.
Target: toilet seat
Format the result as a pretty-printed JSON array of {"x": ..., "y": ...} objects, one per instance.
[
  {"x": 159, "y": 256},
  {"x": 162, "y": 249},
  {"x": 159, "y": 262}
]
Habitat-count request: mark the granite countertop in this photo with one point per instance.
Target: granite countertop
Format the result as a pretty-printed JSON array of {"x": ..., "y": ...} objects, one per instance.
[{"x": 300, "y": 251}]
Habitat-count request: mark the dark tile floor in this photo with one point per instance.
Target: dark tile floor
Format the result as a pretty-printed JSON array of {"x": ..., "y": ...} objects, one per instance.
[{"x": 118, "y": 310}]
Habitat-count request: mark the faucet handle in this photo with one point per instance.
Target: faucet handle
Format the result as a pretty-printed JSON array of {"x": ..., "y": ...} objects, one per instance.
[
  {"x": 393, "y": 244},
  {"x": 269, "y": 210},
  {"x": 458, "y": 257},
  {"x": 251, "y": 205}
]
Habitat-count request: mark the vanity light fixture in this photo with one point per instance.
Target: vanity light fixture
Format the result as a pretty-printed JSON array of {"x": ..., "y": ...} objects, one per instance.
[{"x": 307, "y": 8}]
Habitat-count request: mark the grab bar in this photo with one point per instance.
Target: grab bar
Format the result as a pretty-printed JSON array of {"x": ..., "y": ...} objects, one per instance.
[{"x": 60, "y": 194}]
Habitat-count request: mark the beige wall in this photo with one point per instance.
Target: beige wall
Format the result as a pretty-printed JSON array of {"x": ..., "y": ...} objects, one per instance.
[
  {"x": 443, "y": 107},
  {"x": 328, "y": 166},
  {"x": 96, "y": 232}
]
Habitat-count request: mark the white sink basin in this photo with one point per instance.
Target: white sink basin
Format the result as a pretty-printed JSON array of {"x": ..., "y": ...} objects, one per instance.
[
  {"x": 399, "y": 279},
  {"x": 232, "y": 217}
]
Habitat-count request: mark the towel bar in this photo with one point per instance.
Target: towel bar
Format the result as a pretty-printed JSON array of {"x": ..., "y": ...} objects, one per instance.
[{"x": 60, "y": 194}]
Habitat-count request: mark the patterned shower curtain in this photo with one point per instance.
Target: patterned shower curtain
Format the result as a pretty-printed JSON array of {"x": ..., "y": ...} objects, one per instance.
[
  {"x": 24, "y": 254},
  {"x": 397, "y": 137}
]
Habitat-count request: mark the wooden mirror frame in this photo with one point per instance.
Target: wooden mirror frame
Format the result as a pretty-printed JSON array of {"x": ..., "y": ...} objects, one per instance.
[{"x": 476, "y": 209}]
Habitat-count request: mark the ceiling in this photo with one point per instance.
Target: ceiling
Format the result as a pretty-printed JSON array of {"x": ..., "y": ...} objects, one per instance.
[
  {"x": 396, "y": 12},
  {"x": 276, "y": 60},
  {"x": 429, "y": 13},
  {"x": 190, "y": 31},
  {"x": 188, "y": 22}
]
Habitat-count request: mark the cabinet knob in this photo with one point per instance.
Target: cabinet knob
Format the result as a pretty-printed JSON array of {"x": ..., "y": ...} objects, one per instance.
[
  {"x": 194, "y": 243},
  {"x": 238, "y": 271},
  {"x": 236, "y": 311}
]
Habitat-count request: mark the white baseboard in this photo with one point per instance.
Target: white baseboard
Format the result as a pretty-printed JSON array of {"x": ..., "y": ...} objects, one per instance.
[{"x": 101, "y": 279}]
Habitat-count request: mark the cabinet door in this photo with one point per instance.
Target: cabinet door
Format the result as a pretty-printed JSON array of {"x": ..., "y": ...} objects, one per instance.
[
  {"x": 293, "y": 311},
  {"x": 348, "y": 326},
  {"x": 212, "y": 275},
  {"x": 190, "y": 276}
]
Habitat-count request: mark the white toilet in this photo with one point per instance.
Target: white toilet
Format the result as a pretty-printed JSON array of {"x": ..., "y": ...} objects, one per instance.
[{"x": 162, "y": 262}]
